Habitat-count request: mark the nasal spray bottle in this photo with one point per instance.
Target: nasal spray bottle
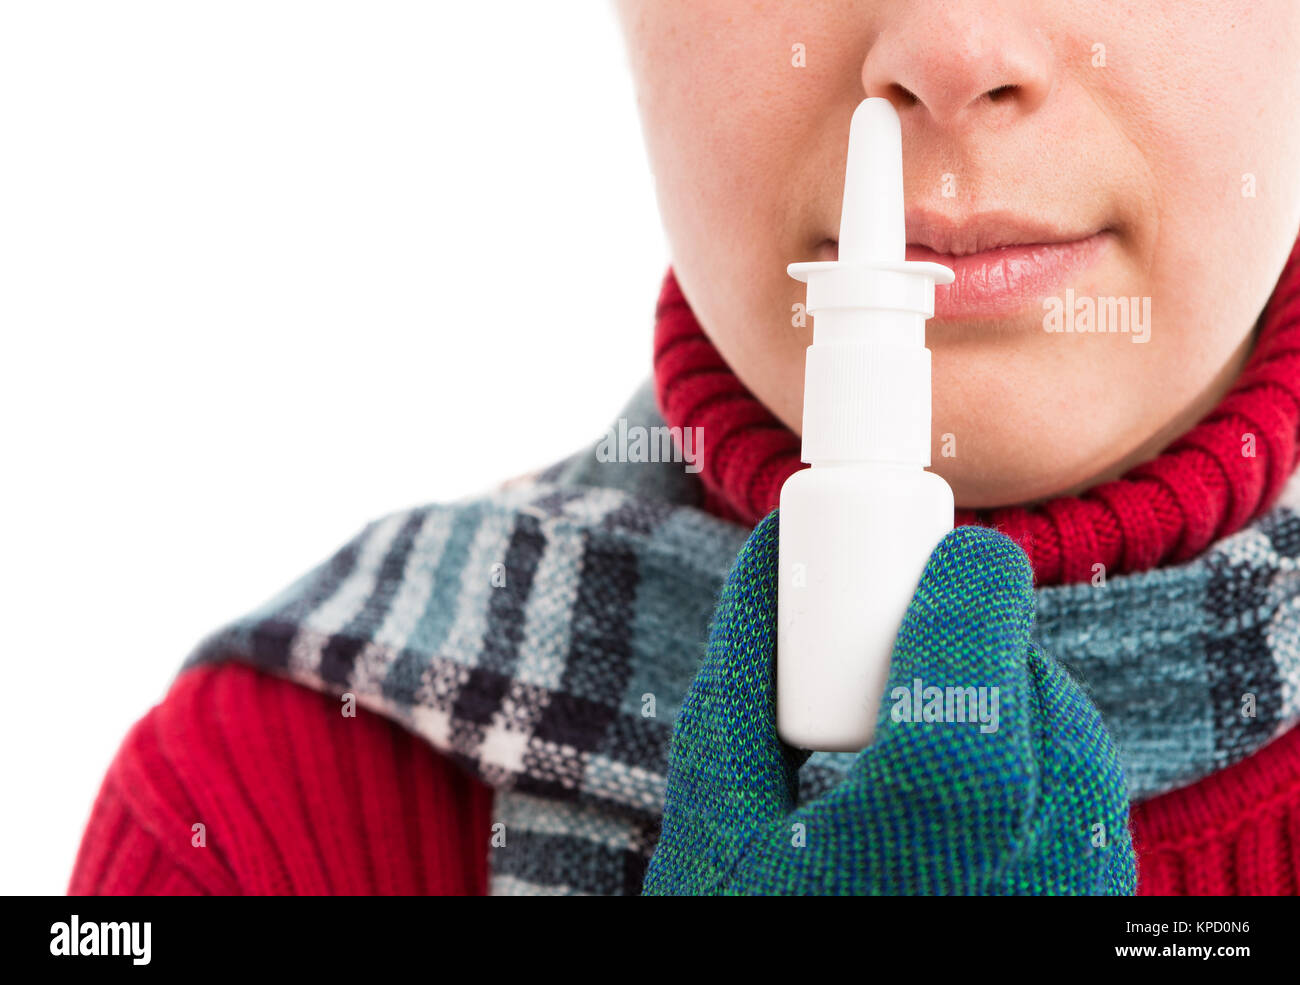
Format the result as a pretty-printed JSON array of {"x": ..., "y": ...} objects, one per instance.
[{"x": 857, "y": 528}]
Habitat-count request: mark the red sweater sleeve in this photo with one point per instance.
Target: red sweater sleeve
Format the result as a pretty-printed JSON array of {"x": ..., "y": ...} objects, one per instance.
[{"x": 294, "y": 798}]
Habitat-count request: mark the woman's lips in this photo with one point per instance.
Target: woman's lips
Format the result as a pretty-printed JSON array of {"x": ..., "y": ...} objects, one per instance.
[{"x": 1002, "y": 281}]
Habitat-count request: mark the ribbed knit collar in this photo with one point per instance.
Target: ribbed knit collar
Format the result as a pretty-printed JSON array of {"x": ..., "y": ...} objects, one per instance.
[{"x": 1166, "y": 510}]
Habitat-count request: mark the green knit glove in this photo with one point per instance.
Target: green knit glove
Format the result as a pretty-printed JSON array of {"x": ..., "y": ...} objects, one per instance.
[{"x": 1038, "y": 806}]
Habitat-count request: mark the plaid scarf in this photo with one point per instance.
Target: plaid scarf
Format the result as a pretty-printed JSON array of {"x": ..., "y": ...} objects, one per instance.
[{"x": 544, "y": 634}]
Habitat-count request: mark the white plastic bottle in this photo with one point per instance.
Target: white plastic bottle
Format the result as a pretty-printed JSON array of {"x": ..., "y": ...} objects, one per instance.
[{"x": 857, "y": 528}]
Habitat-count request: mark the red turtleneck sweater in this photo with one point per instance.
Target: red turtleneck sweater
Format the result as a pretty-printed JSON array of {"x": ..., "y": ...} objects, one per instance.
[{"x": 293, "y": 798}]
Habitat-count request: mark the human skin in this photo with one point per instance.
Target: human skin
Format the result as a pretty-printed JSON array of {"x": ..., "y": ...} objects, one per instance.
[{"x": 1146, "y": 156}]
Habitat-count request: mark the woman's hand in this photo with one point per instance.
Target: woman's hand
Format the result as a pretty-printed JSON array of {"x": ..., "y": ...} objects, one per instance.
[{"x": 1031, "y": 800}]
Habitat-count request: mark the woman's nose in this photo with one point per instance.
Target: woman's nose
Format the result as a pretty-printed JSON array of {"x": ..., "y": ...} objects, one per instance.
[{"x": 961, "y": 61}]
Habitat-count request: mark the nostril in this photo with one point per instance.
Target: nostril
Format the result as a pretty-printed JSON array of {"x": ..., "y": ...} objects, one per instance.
[
  {"x": 1000, "y": 93},
  {"x": 903, "y": 96}
]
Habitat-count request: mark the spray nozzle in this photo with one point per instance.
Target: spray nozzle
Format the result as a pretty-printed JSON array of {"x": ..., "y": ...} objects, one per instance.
[
  {"x": 867, "y": 373},
  {"x": 871, "y": 219},
  {"x": 872, "y": 229}
]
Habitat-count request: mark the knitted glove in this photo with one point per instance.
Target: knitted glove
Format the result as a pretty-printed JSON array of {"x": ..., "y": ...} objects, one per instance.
[{"x": 1038, "y": 806}]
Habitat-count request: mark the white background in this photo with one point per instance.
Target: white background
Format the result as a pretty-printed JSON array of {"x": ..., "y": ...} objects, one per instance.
[{"x": 269, "y": 270}]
